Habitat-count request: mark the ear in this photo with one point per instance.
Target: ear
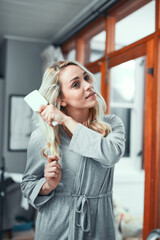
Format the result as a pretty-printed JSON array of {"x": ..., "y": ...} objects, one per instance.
[{"x": 63, "y": 103}]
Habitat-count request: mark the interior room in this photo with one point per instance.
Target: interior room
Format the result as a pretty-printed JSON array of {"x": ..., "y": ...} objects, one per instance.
[{"x": 118, "y": 41}]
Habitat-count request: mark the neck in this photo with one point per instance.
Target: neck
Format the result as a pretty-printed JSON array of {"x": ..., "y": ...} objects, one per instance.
[{"x": 79, "y": 115}]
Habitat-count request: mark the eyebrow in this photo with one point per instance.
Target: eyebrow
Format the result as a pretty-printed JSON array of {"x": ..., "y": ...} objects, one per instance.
[{"x": 76, "y": 77}]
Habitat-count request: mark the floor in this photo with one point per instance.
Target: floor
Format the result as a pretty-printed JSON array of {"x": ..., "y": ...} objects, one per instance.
[{"x": 20, "y": 235}]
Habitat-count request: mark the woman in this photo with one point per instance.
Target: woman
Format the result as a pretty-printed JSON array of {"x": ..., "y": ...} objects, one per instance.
[{"x": 72, "y": 187}]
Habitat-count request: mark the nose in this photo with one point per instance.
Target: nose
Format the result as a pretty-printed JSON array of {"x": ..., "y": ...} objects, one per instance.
[{"x": 88, "y": 85}]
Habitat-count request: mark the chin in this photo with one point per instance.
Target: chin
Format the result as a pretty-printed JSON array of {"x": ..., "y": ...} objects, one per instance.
[{"x": 93, "y": 104}]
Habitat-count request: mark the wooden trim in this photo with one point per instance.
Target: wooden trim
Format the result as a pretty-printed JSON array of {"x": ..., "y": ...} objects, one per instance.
[
  {"x": 88, "y": 32},
  {"x": 125, "y": 8},
  {"x": 80, "y": 50},
  {"x": 110, "y": 46},
  {"x": 92, "y": 65},
  {"x": 87, "y": 51},
  {"x": 135, "y": 50},
  {"x": 158, "y": 128},
  {"x": 124, "y": 56},
  {"x": 105, "y": 84},
  {"x": 120, "y": 55},
  {"x": 152, "y": 140},
  {"x": 149, "y": 161},
  {"x": 144, "y": 97},
  {"x": 156, "y": 139},
  {"x": 157, "y": 15},
  {"x": 157, "y": 33},
  {"x": 116, "y": 13},
  {"x": 110, "y": 35},
  {"x": 93, "y": 30},
  {"x": 68, "y": 46},
  {"x": 148, "y": 144},
  {"x": 94, "y": 69},
  {"x": 140, "y": 41}
]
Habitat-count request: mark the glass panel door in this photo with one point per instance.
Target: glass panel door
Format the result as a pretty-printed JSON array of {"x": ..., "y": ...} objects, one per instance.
[{"x": 127, "y": 102}]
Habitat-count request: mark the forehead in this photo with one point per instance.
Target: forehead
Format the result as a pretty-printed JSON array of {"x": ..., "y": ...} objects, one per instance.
[{"x": 70, "y": 72}]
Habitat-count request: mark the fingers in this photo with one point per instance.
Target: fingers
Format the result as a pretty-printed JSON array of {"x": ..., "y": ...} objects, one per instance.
[
  {"x": 53, "y": 168},
  {"x": 47, "y": 109},
  {"x": 47, "y": 113},
  {"x": 52, "y": 172},
  {"x": 54, "y": 164},
  {"x": 48, "y": 176},
  {"x": 50, "y": 113},
  {"x": 42, "y": 108},
  {"x": 52, "y": 158}
]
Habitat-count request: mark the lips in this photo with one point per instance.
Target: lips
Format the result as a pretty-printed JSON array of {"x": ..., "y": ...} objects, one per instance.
[{"x": 91, "y": 94}]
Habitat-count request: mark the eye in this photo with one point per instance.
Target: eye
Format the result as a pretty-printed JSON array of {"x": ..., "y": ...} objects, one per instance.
[
  {"x": 75, "y": 84},
  {"x": 87, "y": 78}
]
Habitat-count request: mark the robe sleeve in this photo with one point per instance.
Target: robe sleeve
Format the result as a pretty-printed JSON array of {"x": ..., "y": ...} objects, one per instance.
[
  {"x": 33, "y": 178},
  {"x": 91, "y": 144}
]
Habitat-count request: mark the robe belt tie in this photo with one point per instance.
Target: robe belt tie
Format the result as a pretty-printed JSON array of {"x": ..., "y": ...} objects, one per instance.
[
  {"x": 83, "y": 209},
  {"x": 84, "y": 213}
]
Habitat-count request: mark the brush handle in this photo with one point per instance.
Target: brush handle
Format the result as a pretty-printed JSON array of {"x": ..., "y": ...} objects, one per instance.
[{"x": 54, "y": 123}]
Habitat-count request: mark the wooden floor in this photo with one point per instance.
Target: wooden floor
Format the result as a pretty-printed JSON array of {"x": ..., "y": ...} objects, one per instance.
[
  {"x": 29, "y": 235},
  {"x": 20, "y": 235}
]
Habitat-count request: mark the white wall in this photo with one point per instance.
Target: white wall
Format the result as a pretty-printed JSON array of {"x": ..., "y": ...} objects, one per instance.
[
  {"x": 23, "y": 73},
  {"x": 128, "y": 189},
  {"x": 2, "y": 73}
]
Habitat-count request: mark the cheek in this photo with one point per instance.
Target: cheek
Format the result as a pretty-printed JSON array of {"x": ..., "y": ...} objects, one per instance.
[
  {"x": 74, "y": 95},
  {"x": 75, "y": 98}
]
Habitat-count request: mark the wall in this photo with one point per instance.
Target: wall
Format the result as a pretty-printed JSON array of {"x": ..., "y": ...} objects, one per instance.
[
  {"x": 23, "y": 73},
  {"x": 1, "y": 118},
  {"x": 2, "y": 75},
  {"x": 2, "y": 59}
]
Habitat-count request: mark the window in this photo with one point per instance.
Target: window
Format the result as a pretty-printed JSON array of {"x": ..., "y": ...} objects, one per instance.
[
  {"x": 71, "y": 55},
  {"x": 97, "y": 83},
  {"x": 127, "y": 93},
  {"x": 137, "y": 25},
  {"x": 97, "y": 46}
]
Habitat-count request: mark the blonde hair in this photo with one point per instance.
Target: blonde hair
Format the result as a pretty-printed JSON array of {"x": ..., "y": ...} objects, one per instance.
[{"x": 51, "y": 90}]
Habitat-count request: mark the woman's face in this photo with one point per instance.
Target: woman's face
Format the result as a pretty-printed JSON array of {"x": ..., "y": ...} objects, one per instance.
[{"x": 77, "y": 89}]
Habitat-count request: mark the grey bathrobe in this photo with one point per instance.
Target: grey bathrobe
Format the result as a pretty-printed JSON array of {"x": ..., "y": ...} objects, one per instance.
[{"x": 81, "y": 206}]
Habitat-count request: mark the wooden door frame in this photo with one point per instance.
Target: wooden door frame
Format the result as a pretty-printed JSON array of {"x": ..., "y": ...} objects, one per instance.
[
  {"x": 152, "y": 138},
  {"x": 151, "y": 124}
]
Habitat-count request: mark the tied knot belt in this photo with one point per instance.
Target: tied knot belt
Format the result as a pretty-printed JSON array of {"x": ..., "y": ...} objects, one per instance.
[{"x": 83, "y": 210}]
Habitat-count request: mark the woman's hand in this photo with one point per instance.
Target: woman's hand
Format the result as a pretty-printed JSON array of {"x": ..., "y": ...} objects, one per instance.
[
  {"x": 50, "y": 113},
  {"x": 52, "y": 174}
]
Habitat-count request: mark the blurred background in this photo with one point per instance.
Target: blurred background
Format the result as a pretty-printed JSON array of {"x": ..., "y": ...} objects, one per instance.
[{"x": 119, "y": 42}]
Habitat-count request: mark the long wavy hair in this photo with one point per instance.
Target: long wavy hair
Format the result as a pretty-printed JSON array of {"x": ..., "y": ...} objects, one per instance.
[{"x": 51, "y": 90}]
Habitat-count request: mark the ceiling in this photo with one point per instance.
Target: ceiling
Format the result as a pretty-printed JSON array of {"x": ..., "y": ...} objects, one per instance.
[
  {"x": 51, "y": 21},
  {"x": 40, "y": 20}
]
